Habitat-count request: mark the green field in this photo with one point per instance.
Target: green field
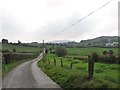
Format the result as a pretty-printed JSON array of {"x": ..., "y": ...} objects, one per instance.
[
  {"x": 88, "y": 51},
  {"x": 20, "y": 48},
  {"x": 105, "y": 75}
]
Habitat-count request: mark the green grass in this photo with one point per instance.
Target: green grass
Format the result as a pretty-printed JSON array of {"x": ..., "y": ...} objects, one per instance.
[
  {"x": 0, "y": 72},
  {"x": 6, "y": 68},
  {"x": 105, "y": 75},
  {"x": 0, "y": 65},
  {"x": 20, "y": 48}
]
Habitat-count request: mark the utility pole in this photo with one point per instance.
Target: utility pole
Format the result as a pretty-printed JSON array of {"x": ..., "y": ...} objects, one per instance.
[
  {"x": 43, "y": 51},
  {"x": 43, "y": 43}
]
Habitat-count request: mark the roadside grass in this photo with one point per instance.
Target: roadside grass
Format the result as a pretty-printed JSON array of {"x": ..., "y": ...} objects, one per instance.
[
  {"x": 0, "y": 65},
  {"x": 6, "y": 68},
  {"x": 0, "y": 72},
  {"x": 105, "y": 75}
]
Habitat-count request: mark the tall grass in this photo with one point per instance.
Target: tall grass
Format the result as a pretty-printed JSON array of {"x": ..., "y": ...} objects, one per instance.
[{"x": 105, "y": 75}]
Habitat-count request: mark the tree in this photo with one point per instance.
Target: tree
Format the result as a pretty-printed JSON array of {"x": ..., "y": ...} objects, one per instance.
[
  {"x": 4, "y": 41},
  {"x": 111, "y": 52},
  {"x": 19, "y": 42},
  {"x": 50, "y": 50},
  {"x": 60, "y": 51},
  {"x": 94, "y": 56},
  {"x": 105, "y": 52},
  {"x": 14, "y": 50}
]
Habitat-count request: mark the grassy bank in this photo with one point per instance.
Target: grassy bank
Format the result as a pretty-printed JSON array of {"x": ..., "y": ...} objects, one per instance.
[
  {"x": 15, "y": 62},
  {"x": 105, "y": 75},
  {"x": 6, "y": 68},
  {"x": 16, "y": 59}
]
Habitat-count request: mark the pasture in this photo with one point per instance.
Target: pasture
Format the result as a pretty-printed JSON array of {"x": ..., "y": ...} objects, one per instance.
[
  {"x": 20, "y": 48},
  {"x": 105, "y": 74},
  {"x": 88, "y": 51}
]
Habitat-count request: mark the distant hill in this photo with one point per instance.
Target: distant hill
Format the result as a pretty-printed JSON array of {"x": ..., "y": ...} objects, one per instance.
[
  {"x": 100, "y": 41},
  {"x": 60, "y": 41},
  {"x": 103, "y": 41}
]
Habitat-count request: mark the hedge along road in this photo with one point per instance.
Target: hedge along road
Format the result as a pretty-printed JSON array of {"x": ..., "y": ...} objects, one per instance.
[{"x": 28, "y": 75}]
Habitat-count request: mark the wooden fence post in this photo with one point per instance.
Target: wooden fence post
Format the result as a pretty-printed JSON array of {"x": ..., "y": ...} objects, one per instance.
[
  {"x": 54, "y": 61},
  {"x": 6, "y": 58},
  {"x": 61, "y": 62},
  {"x": 43, "y": 58},
  {"x": 90, "y": 67},
  {"x": 49, "y": 61},
  {"x": 71, "y": 65}
]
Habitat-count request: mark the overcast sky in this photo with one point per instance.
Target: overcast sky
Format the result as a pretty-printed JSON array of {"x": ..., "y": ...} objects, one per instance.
[{"x": 35, "y": 20}]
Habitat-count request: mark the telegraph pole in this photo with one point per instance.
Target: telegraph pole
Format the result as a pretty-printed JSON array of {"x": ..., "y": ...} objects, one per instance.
[
  {"x": 43, "y": 43},
  {"x": 43, "y": 50}
]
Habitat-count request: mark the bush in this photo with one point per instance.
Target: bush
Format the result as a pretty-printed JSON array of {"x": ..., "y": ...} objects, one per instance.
[
  {"x": 108, "y": 59},
  {"x": 94, "y": 56},
  {"x": 60, "y": 51},
  {"x": 111, "y": 52},
  {"x": 80, "y": 58},
  {"x": 105, "y": 52},
  {"x": 14, "y": 50}
]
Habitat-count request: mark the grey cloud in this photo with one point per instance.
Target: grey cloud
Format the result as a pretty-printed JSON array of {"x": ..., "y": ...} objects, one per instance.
[
  {"x": 11, "y": 28},
  {"x": 91, "y": 27},
  {"x": 53, "y": 4},
  {"x": 50, "y": 30}
]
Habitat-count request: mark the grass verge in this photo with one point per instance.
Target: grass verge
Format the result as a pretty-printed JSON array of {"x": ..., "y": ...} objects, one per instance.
[
  {"x": 6, "y": 68},
  {"x": 105, "y": 75}
]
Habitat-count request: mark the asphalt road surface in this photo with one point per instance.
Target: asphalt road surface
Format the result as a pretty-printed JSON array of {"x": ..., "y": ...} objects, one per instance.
[{"x": 28, "y": 75}]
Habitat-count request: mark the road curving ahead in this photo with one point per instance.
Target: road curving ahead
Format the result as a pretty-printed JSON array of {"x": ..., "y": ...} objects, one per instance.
[{"x": 28, "y": 75}]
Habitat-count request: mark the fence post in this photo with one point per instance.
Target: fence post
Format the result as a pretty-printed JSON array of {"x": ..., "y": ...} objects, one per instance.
[
  {"x": 61, "y": 62},
  {"x": 71, "y": 65},
  {"x": 43, "y": 58},
  {"x": 54, "y": 61},
  {"x": 6, "y": 58},
  {"x": 49, "y": 61},
  {"x": 90, "y": 67}
]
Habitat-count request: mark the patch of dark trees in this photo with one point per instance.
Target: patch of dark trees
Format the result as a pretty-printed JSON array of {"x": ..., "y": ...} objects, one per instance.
[
  {"x": 22, "y": 44},
  {"x": 5, "y": 41},
  {"x": 103, "y": 58},
  {"x": 107, "y": 57}
]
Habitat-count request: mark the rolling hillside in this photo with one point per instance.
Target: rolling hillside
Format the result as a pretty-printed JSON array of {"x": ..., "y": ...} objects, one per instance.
[{"x": 100, "y": 41}]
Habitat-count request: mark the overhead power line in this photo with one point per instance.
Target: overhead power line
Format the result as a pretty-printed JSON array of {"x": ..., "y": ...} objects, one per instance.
[{"x": 81, "y": 19}]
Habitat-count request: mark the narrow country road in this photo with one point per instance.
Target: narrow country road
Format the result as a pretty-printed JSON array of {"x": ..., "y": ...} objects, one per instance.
[{"x": 28, "y": 75}]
